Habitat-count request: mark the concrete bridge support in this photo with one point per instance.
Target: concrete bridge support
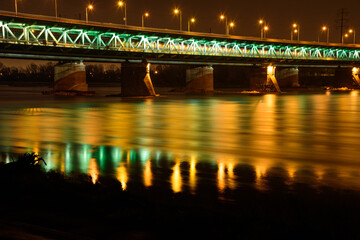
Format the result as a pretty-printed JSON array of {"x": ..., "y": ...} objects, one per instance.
[
  {"x": 263, "y": 79},
  {"x": 70, "y": 76},
  {"x": 288, "y": 77},
  {"x": 135, "y": 80},
  {"x": 200, "y": 80},
  {"x": 347, "y": 77}
]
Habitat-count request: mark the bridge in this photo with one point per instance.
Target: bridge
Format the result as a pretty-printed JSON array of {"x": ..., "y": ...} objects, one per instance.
[{"x": 49, "y": 38}]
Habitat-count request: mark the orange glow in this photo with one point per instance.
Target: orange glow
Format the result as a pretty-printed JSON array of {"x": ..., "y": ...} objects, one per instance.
[
  {"x": 93, "y": 170},
  {"x": 176, "y": 11},
  {"x": 176, "y": 180},
  {"x": 91, "y": 7},
  {"x": 147, "y": 174}
]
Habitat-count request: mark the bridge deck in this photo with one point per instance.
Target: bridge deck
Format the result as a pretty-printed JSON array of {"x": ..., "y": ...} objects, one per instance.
[{"x": 43, "y": 37}]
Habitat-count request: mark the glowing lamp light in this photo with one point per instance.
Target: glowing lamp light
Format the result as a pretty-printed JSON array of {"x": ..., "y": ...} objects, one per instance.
[
  {"x": 232, "y": 24},
  {"x": 222, "y": 17},
  {"x": 91, "y": 7},
  {"x": 271, "y": 70},
  {"x": 146, "y": 14},
  {"x": 346, "y": 35},
  {"x": 294, "y": 25},
  {"x": 355, "y": 70},
  {"x": 192, "y": 20},
  {"x": 120, "y": 3},
  {"x": 295, "y": 31},
  {"x": 324, "y": 28},
  {"x": 176, "y": 11},
  {"x": 266, "y": 28},
  {"x": 350, "y": 31},
  {"x": 261, "y": 21}
]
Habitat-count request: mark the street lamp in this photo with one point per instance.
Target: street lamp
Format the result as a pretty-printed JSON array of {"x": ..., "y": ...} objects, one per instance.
[
  {"x": 295, "y": 30},
  {"x": 178, "y": 12},
  {"x": 16, "y": 7},
  {"x": 266, "y": 28},
  {"x": 89, "y": 7},
  {"x": 223, "y": 17},
  {"x": 352, "y": 31},
  {"x": 192, "y": 20},
  {"x": 123, "y": 4},
  {"x": 261, "y": 23},
  {"x": 146, "y": 14},
  {"x": 325, "y": 28},
  {"x": 56, "y": 7},
  {"x": 231, "y": 25}
]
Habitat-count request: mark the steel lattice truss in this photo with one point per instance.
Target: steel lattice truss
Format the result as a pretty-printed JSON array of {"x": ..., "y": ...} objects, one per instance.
[{"x": 66, "y": 37}]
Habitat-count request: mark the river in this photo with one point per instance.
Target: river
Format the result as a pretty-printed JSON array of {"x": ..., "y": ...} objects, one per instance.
[{"x": 191, "y": 143}]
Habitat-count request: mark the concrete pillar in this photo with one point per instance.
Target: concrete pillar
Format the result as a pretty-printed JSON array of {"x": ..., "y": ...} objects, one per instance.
[
  {"x": 347, "y": 77},
  {"x": 70, "y": 76},
  {"x": 263, "y": 79},
  {"x": 200, "y": 80},
  {"x": 135, "y": 80},
  {"x": 288, "y": 77},
  {"x": 355, "y": 75}
]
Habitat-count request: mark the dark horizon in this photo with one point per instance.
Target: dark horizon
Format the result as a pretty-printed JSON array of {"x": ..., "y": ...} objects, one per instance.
[{"x": 279, "y": 15}]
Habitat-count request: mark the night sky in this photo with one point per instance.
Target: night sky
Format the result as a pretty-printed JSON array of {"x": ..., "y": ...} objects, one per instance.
[{"x": 279, "y": 14}]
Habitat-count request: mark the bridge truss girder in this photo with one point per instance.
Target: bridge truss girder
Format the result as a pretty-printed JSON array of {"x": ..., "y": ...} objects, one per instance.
[{"x": 16, "y": 33}]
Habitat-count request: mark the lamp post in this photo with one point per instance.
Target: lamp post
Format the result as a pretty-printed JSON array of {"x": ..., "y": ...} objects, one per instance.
[
  {"x": 325, "y": 28},
  {"x": 295, "y": 30},
  {"x": 56, "y": 7},
  {"x": 192, "y": 20},
  {"x": 16, "y": 7},
  {"x": 89, "y": 7},
  {"x": 352, "y": 31},
  {"x": 145, "y": 15},
  {"x": 265, "y": 29},
  {"x": 231, "y": 25},
  {"x": 178, "y": 12},
  {"x": 123, "y": 4},
  {"x": 261, "y": 23},
  {"x": 223, "y": 17}
]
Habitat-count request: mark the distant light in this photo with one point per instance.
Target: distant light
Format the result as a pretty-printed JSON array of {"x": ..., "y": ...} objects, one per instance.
[
  {"x": 121, "y": 3},
  {"x": 294, "y": 25},
  {"x": 156, "y": 72},
  {"x": 192, "y": 20},
  {"x": 324, "y": 28},
  {"x": 266, "y": 28},
  {"x": 232, "y": 24},
  {"x": 176, "y": 11},
  {"x": 90, "y": 7},
  {"x": 270, "y": 70},
  {"x": 295, "y": 31},
  {"x": 261, "y": 21},
  {"x": 350, "y": 31},
  {"x": 346, "y": 35},
  {"x": 222, "y": 17},
  {"x": 146, "y": 14}
]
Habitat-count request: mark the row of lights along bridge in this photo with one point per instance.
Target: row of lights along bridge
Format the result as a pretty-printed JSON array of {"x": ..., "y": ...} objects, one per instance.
[{"x": 264, "y": 28}]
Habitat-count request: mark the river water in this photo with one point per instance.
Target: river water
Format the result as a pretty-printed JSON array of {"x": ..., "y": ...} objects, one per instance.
[{"x": 191, "y": 143}]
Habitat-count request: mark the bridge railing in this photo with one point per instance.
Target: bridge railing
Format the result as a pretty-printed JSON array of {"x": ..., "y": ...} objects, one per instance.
[{"x": 42, "y": 35}]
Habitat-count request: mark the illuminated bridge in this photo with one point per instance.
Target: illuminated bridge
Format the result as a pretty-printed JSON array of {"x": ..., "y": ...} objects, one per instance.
[{"x": 40, "y": 37}]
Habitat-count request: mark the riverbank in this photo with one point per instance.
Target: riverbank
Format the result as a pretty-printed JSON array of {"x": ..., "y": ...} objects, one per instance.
[{"x": 48, "y": 205}]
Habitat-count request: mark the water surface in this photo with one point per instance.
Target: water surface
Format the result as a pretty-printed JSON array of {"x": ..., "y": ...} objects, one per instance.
[{"x": 192, "y": 143}]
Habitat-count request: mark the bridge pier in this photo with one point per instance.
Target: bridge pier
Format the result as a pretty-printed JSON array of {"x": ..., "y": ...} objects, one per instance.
[
  {"x": 70, "y": 76},
  {"x": 347, "y": 77},
  {"x": 200, "y": 80},
  {"x": 263, "y": 79},
  {"x": 135, "y": 80},
  {"x": 288, "y": 77}
]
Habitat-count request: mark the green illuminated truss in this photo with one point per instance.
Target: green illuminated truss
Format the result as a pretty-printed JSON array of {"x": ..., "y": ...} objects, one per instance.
[{"x": 67, "y": 37}]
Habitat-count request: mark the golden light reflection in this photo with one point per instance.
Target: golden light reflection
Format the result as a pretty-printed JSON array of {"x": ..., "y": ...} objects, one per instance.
[
  {"x": 148, "y": 174},
  {"x": 231, "y": 176},
  {"x": 192, "y": 181},
  {"x": 122, "y": 175},
  {"x": 176, "y": 181},
  {"x": 93, "y": 170},
  {"x": 221, "y": 177},
  {"x": 260, "y": 170},
  {"x": 354, "y": 93}
]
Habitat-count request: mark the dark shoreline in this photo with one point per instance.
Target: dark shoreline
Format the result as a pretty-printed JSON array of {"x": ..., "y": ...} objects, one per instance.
[{"x": 37, "y": 204}]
